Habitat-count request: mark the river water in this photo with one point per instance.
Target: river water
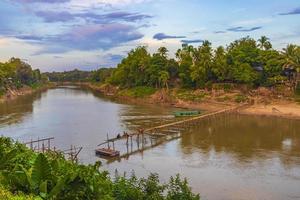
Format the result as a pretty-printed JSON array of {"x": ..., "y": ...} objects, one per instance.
[{"x": 231, "y": 157}]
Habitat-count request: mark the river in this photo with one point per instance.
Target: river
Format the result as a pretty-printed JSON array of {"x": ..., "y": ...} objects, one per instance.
[{"x": 232, "y": 157}]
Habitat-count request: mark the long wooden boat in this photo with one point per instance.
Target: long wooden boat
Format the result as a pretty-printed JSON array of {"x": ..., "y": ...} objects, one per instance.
[
  {"x": 107, "y": 152},
  {"x": 186, "y": 113}
]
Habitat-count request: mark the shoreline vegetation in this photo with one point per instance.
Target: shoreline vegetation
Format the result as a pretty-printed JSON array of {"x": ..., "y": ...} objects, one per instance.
[
  {"x": 17, "y": 78},
  {"x": 25, "y": 174}
]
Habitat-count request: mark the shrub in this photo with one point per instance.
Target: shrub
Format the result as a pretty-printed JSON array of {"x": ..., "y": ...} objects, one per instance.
[
  {"x": 138, "y": 92},
  {"x": 241, "y": 98},
  {"x": 25, "y": 174}
]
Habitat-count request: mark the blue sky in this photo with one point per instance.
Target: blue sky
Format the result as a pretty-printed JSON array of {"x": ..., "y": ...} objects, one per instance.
[{"x": 88, "y": 34}]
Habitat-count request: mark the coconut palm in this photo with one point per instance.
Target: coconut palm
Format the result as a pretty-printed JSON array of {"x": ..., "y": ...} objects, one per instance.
[
  {"x": 164, "y": 78},
  {"x": 163, "y": 51},
  {"x": 264, "y": 43},
  {"x": 292, "y": 56}
]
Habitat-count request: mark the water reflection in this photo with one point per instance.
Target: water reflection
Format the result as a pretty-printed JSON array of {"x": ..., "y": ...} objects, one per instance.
[
  {"x": 13, "y": 112},
  {"x": 245, "y": 137}
]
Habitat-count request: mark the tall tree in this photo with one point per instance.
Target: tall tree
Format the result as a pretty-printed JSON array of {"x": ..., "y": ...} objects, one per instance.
[
  {"x": 163, "y": 51},
  {"x": 164, "y": 78},
  {"x": 220, "y": 67},
  {"x": 201, "y": 70},
  {"x": 242, "y": 56},
  {"x": 264, "y": 43},
  {"x": 185, "y": 61}
]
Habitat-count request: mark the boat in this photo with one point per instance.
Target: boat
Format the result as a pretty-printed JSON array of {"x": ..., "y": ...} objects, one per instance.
[
  {"x": 107, "y": 152},
  {"x": 186, "y": 113}
]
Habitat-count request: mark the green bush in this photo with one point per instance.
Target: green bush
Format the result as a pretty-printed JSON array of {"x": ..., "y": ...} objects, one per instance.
[
  {"x": 28, "y": 175},
  {"x": 241, "y": 98},
  {"x": 138, "y": 92}
]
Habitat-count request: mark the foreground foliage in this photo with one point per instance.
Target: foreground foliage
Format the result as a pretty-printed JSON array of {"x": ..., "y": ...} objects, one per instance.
[{"x": 28, "y": 175}]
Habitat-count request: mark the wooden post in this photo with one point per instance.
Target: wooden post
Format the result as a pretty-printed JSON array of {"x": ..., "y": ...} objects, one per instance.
[
  {"x": 31, "y": 146},
  {"x": 107, "y": 141},
  {"x": 71, "y": 153},
  {"x": 49, "y": 146},
  {"x": 138, "y": 141},
  {"x": 38, "y": 143}
]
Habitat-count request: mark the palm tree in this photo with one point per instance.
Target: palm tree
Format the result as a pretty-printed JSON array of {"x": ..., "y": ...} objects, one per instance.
[
  {"x": 264, "y": 43},
  {"x": 292, "y": 56},
  {"x": 163, "y": 51},
  {"x": 292, "y": 61},
  {"x": 164, "y": 78}
]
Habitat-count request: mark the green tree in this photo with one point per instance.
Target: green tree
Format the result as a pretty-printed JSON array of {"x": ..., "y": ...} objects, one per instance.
[
  {"x": 264, "y": 43},
  {"x": 242, "y": 56},
  {"x": 292, "y": 57},
  {"x": 163, "y": 51},
  {"x": 131, "y": 71},
  {"x": 185, "y": 61},
  {"x": 201, "y": 70},
  {"x": 164, "y": 78},
  {"x": 220, "y": 67}
]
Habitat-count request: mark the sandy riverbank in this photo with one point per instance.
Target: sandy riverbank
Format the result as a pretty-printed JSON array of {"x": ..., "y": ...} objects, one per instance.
[
  {"x": 284, "y": 109},
  {"x": 12, "y": 94}
]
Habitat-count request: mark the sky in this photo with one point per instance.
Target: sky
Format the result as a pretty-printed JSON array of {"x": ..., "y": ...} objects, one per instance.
[{"x": 59, "y": 35}]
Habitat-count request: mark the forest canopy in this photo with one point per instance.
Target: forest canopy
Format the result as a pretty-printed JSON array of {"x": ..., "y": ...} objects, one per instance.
[{"x": 244, "y": 61}]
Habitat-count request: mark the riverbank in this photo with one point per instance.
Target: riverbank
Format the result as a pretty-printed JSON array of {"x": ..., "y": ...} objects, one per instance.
[
  {"x": 259, "y": 103},
  {"x": 13, "y": 93}
]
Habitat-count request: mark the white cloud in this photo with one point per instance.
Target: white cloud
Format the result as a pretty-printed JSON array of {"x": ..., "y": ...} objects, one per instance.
[{"x": 87, "y": 4}]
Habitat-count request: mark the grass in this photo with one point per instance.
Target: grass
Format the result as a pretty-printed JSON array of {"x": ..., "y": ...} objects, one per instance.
[
  {"x": 223, "y": 99},
  {"x": 36, "y": 85},
  {"x": 138, "y": 92},
  {"x": 190, "y": 95},
  {"x": 240, "y": 98}
]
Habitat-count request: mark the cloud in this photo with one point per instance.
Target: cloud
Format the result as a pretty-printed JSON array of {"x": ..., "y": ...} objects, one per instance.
[
  {"x": 58, "y": 57},
  {"x": 43, "y": 1},
  {"x": 112, "y": 59},
  {"x": 243, "y": 29},
  {"x": 91, "y": 37},
  {"x": 219, "y": 32},
  {"x": 191, "y": 41},
  {"x": 50, "y": 16},
  {"x": 162, "y": 36},
  {"x": 64, "y": 16},
  {"x": 296, "y": 11}
]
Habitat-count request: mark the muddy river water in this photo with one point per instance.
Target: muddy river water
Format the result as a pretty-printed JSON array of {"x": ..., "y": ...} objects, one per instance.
[{"x": 231, "y": 157}]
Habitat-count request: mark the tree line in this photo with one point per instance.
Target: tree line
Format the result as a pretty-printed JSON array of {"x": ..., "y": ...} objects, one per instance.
[
  {"x": 16, "y": 73},
  {"x": 244, "y": 61}
]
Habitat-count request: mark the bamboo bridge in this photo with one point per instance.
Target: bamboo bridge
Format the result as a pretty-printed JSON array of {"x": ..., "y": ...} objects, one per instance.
[{"x": 144, "y": 139}]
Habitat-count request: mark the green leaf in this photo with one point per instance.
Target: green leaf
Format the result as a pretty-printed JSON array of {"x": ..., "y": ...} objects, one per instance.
[
  {"x": 43, "y": 187},
  {"x": 41, "y": 170},
  {"x": 58, "y": 187}
]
